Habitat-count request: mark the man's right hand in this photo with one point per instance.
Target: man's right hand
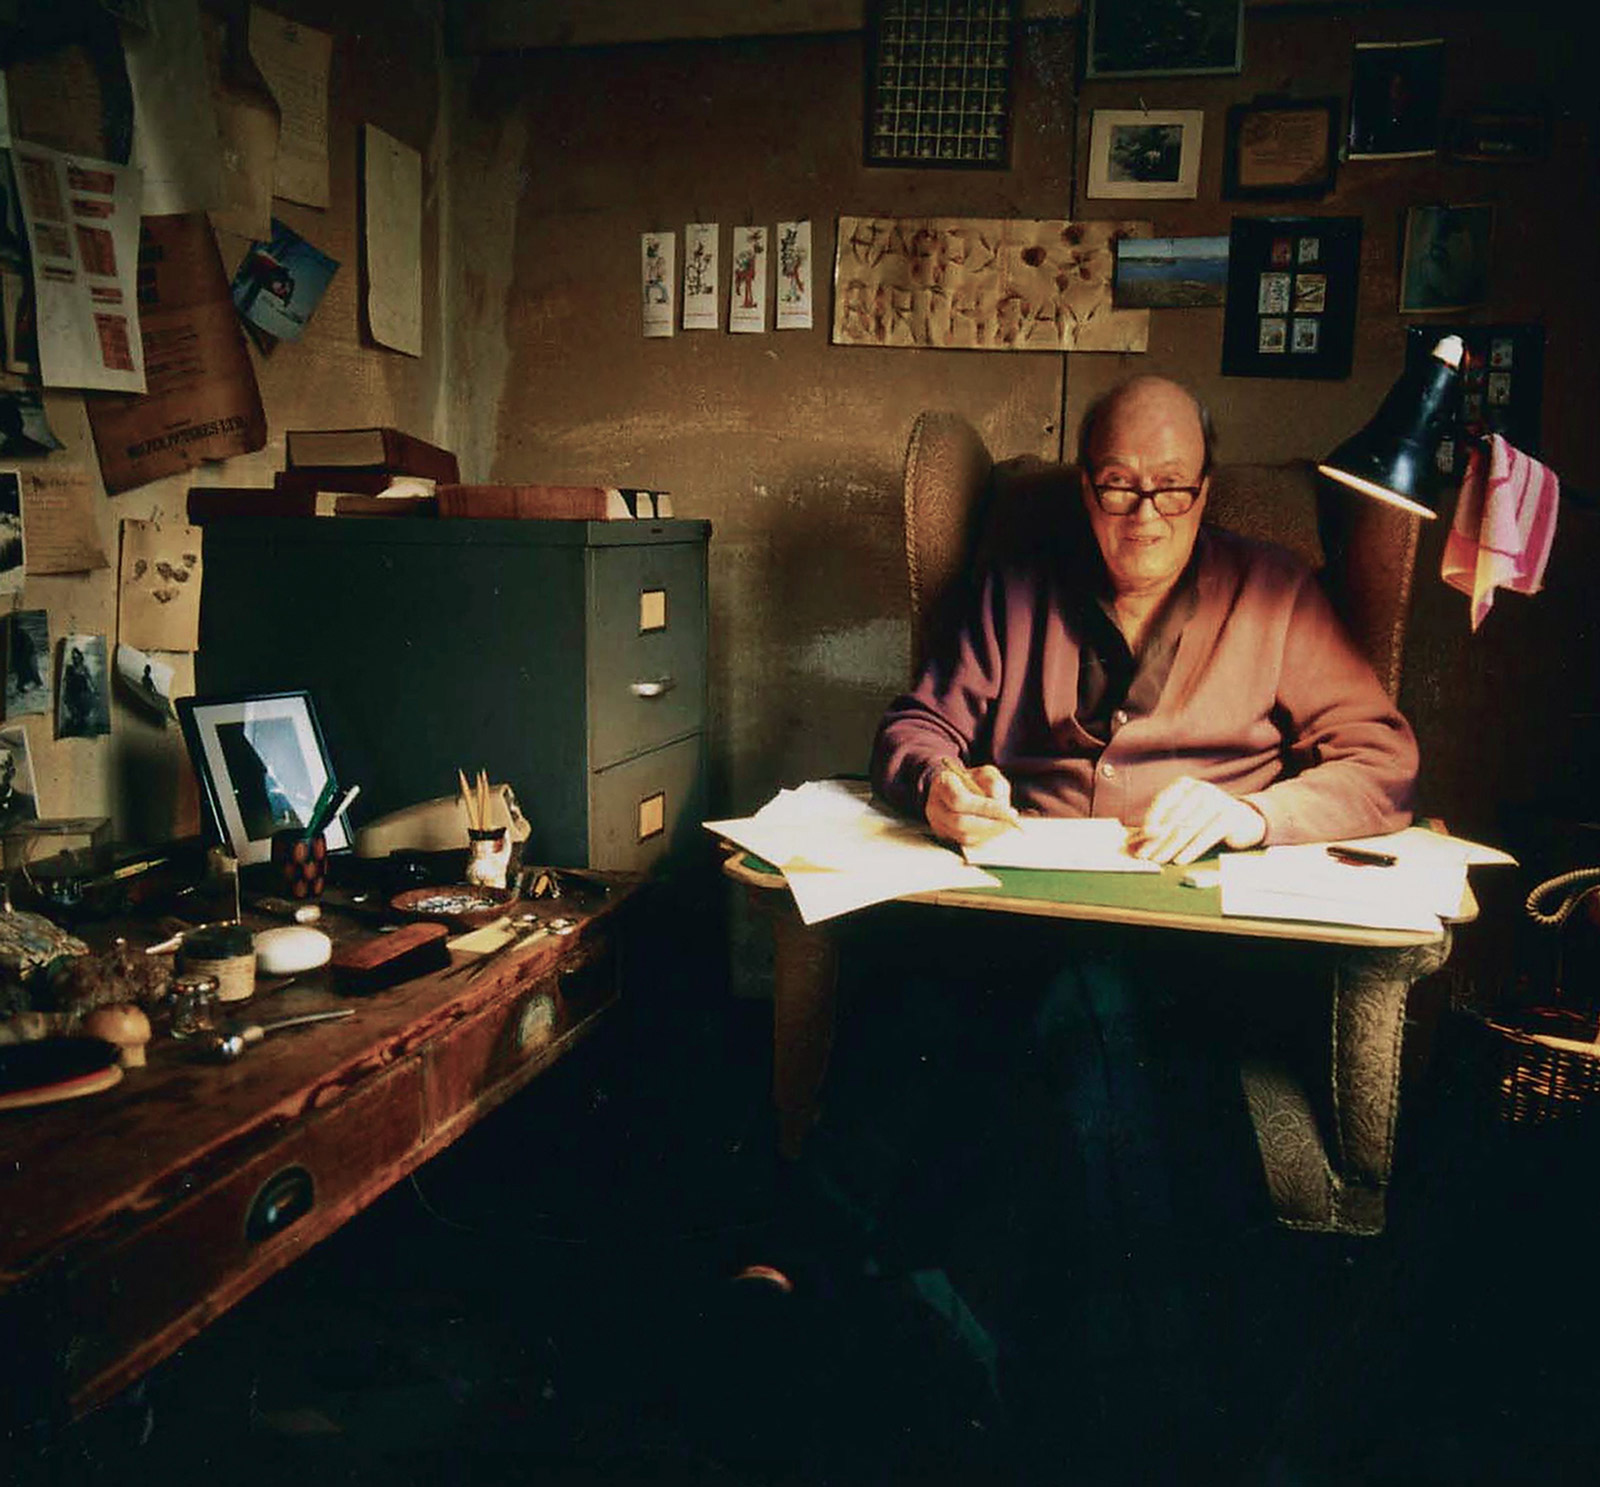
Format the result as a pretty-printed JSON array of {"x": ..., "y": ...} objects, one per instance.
[{"x": 968, "y": 806}]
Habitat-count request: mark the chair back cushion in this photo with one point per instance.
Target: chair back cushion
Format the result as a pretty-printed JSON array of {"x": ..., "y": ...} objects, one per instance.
[{"x": 961, "y": 509}]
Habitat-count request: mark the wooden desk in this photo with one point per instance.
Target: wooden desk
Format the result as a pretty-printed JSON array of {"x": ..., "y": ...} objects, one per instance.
[
  {"x": 132, "y": 1218},
  {"x": 1333, "y": 1180}
]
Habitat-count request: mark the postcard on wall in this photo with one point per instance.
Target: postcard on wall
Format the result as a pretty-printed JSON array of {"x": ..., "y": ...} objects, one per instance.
[
  {"x": 248, "y": 121},
  {"x": 147, "y": 679},
  {"x": 203, "y": 402},
  {"x": 58, "y": 516},
  {"x": 1394, "y": 98},
  {"x": 295, "y": 60},
  {"x": 83, "y": 705},
  {"x": 19, "y": 790},
  {"x": 12, "y": 552},
  {"x": 747, "y": 304},
  {"x": 281, "y": 282},
  {"x": 27, "y": 662},
  {"x": 794, "y": 276},
  {"x": 1170, "y": 273},
  {"x": 700, "y": 247},
  {"x": 1445, "y": 262},
  {"x": 657, "y": 275},
  {"x": 983, "y": 284},
  {"x": 83, "y": 223},
  {"x": 175, "y": 143},
  {"x": 24, "y": 429},
  {"x": 158, "y": 588},
  {"x": 392, "y": 219}
]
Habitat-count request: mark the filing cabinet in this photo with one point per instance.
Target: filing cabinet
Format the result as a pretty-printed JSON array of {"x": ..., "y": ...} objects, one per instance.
[{"x": 567, "y": 658}]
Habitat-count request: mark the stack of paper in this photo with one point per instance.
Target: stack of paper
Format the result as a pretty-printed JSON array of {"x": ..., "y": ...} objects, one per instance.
[
  {"x": 839, "y": 851},
  {"x": 1425, "y": 883},
  {"x": 1067, "y": 844}
]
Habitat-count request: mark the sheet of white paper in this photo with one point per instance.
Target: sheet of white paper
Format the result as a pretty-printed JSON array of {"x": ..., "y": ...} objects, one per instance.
[
  {"x": 839, "y": 851},
  {"x": 657, "y": 279},
  {"x": 295, "y": 61},
  {"x": 747, "y": 302},
  {"x": 175, "y": 140},
  {"x": 83, "y": 223},
  {"x": 1073, "y": 845},
  {"x": 1304, "y": 882},
  {"x": 1417, "y": 844},
  {"x": 392, "y": 211},
  {"x": 700, "y": 276},
  {"x": 794, "y": 276}
]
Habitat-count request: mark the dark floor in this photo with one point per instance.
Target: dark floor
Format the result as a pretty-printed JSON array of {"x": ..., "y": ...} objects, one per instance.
[{"x": 548, "y": 1302}]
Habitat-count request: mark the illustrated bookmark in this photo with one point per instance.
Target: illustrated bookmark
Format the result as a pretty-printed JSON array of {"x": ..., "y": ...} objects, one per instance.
[
  {"x": 656, "y": 254},
  {"x": 748, "y": 303},
  {"x": 700, "y": 276},
  {"x": 794, "y": 276}
]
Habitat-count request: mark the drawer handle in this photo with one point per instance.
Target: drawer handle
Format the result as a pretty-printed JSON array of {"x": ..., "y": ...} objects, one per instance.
[
  {"x": 657, "y": 688},
  {"x": 284, "y": 1198}
]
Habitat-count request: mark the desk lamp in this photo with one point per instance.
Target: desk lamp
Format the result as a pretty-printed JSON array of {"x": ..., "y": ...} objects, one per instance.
[{"x": 1392, "y": 458}]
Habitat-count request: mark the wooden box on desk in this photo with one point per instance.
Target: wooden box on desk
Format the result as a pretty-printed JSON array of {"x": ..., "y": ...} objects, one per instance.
[{"x": 567, "y": 658}]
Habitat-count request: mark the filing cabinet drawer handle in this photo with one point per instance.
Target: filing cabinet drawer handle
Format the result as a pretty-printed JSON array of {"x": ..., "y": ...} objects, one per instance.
[{"x": 658, "y": 688}]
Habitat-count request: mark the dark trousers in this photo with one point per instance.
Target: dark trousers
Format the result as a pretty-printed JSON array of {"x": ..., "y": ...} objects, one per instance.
[{"x": 1042, "y": 1126}]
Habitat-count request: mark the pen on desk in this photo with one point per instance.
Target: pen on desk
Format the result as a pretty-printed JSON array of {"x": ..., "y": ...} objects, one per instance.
[
  {"x": 1360, "y": 856},
  {"x": 1011, "y": 816}
]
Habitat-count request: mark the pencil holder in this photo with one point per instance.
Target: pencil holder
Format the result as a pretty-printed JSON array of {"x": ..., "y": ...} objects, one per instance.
[
  {"x": 489, "y": 856},
  {"x": 301, "y": 862}
]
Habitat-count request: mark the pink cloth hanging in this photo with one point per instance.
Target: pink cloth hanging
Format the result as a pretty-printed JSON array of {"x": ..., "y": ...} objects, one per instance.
[{"x": 1504, "y": 524}]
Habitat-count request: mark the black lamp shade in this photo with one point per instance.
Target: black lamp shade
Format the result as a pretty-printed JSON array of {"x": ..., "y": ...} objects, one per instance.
[{"x": 1393, "y": 457}]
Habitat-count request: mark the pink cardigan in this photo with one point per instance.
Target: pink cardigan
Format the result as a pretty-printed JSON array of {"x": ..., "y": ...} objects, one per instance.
[{"x": 1267, "y": 697}]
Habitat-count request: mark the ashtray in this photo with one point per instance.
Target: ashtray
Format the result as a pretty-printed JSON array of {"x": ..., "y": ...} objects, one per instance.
[{"x": 464, "y": 905}]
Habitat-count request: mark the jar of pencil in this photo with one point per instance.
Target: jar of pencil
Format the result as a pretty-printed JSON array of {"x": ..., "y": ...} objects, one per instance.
[{"x": 489, "y": 845}]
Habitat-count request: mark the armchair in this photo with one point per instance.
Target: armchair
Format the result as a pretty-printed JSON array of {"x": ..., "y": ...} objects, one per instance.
[{"x": 1325, "y": 1121}]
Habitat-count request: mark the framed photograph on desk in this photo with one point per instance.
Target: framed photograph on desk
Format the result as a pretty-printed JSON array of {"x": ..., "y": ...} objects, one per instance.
[{"x": 262, "y": 764}]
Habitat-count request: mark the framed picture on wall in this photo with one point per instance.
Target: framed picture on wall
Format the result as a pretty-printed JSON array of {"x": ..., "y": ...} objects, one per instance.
[
  {"x": 1445, "y": 261},
  {"x": 1291, "y": 308},
  {"x": 1394, "y": 98},
  {"x": 939, "y": 83},
  {"x": 1150, "y": 153},
  {"x": 1164, "y": 38},
  {"x": 1281, "y": 147},
  {"x": 1502, "y": 385}
]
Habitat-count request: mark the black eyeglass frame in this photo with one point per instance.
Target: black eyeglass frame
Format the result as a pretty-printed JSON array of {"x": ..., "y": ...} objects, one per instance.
[{"x": 1189, "y": 494}]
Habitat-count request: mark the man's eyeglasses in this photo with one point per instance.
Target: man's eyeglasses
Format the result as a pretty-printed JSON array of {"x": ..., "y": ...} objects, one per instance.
[{"x": 1120, "y": 500}]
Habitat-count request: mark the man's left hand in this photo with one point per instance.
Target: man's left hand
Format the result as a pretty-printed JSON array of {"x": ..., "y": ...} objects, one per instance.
[{"x": 1190, "y": 817}]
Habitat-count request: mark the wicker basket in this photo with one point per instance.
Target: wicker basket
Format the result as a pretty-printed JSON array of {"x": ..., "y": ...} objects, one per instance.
[{"x": 1547, "y": 1063}]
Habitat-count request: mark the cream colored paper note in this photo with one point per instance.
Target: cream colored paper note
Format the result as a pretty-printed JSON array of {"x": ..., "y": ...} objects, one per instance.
[
  {"x": 248, "y": 121},
  {"x": 58, "y": 514},
  {"x": 794, "y": 276},
  {"x": 700, "y": 276},
  {"x": 295, "y": 60},
  {"x": 657, "y": 276},
  {"x": 982, "y": 284},
  {"x": 83, "y": 223},
  {"x": 393, "y": 213},
  {"x": 175, "y": 142},
  {"x": 1066, "y": 845},
  {"x": 158, "y": 592}
]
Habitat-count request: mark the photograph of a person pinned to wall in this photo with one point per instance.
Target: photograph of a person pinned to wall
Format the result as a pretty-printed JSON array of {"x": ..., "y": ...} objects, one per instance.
[
  {"x": 83, "y": 704},
  {"x": 27, "y": 655},
  {"x": 19, "y": 797},
  {"x": 11, "y": 553},
  {"x": 1446, "y": 263},
  {"x": 1394, "y": 98}
]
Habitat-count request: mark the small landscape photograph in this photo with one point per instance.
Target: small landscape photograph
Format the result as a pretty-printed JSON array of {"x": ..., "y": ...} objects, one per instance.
[{"x": 1170, "y": 273}]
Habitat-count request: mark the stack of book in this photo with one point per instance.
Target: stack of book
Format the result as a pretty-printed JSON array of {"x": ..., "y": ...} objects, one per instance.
[
  {"x": 340, "y": 472},
  {"x": 552, "y": 502}
]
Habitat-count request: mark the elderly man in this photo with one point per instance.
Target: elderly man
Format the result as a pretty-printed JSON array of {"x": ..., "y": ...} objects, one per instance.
[
  {"x": 1057, "y": 1128},
  {"x": 1191, "y": 683}
]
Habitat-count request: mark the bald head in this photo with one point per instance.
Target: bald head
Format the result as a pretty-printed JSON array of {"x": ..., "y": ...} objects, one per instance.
[{"x": 1145, "y": 402}]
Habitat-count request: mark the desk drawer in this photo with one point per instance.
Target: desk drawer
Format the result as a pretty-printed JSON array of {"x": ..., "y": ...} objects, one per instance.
[
  {"x": 491, "y": 1055},
  {"x": 129, "y": 1299},
  {"x": 646, "y": 645}
]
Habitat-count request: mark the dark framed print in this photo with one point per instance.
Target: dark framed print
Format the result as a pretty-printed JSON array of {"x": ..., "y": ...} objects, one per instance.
[
  {"x": 1291, "y": 306},
  {"x": 262, "y": 766},
  {"x": 1281, "y": 147},
  {"x": 939, "y": 83},
  {"x": 1445, "y": 259},
  {"x": 1148, "y": 153},
  {"x": 1164, "y": 38},
  {"x": 1492, "y": 136},
  {"x": 1502, "y": 385},
  {"x": 1394, "y": 98}
]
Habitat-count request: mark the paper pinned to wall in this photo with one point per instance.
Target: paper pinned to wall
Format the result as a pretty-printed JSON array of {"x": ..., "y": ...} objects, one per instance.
[
  {"x": 58, "y": 516},
  {"x": 11, "y": 543},
  {"x": 83, "y": 700},
  {"x": 747, "y": 307},
  {"x": 392, "y": 218},
  {"x": 83, "y": 223},
  {"x": 148, "y": 680},
  {"x": 700, "y": 276},
  {"x": 175, "y": 143},
  {"x": 295, "y": 60},
  {"x": 794, "y": 276},
  {"x": 27, "y": 662},
  {"x": 658, "y": 274},
  {"x": 248, "y": 121},
  {"x": 984, "y": 284},
  {"x": 158, "y": 588}
]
